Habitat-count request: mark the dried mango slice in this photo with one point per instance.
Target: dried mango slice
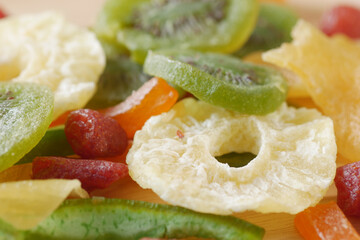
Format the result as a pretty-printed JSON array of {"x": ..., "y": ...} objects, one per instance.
[
  {"x": 330, "y": 69},
  {"x": 26, "y": 203},
  {"x": 45, "y": 49},
  {"x": 295, "y": 150}
]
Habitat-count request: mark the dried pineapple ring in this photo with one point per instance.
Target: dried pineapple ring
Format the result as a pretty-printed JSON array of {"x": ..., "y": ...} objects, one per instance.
[
  {"x": 45, "y": 49},
  {"x": 295, "y": 149},
  {"x": 330, "y": 69}
]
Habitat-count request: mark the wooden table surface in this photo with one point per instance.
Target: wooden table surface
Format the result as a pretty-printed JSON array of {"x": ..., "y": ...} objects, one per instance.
[{"x": 83, "y": 12}]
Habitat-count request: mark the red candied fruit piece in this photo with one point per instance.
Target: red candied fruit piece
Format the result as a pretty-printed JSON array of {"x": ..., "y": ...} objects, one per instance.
[
  {"x": 2, "y": 14},
  {"x": 347, "y": 182},
  {"x": 93, "y": 174},
  {"x": 342, "y": 19},
  {"x": 93, "y": 135}
]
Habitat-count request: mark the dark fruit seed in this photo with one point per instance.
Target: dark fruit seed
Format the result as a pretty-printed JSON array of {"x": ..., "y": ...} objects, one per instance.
[{"x": 92, "y": 135}]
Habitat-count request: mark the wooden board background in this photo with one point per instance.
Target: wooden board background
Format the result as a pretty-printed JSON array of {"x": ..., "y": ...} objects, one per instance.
[{"x": 83, "y": 12}]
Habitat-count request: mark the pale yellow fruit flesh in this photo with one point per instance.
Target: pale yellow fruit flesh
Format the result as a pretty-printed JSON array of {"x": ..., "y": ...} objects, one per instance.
[
  {"x": 24, "y": 204},
  {"x": 330, "y": 70}
]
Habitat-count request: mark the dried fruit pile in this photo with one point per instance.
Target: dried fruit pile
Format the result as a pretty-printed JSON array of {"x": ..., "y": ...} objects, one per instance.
[{"x": 179, "y": 110}]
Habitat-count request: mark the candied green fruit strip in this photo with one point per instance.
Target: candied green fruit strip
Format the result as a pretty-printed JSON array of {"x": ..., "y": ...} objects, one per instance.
[
  {"x": 120, "y": 78},
  {"x": 131, "y": 220},
  {"x": 221, "y": 80},
  {"x": 54, "y": 143},
  {"x": 273, "y": 27},
  {"x": 25, "y": 114}
]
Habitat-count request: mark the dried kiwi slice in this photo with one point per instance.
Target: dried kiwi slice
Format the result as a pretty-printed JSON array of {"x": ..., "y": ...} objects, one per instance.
[
  {"x": 120, "y": 78},
  {"x": 203, "y": 25},
  {"x": 25, "y": 114},
  {"x": 273, "y": 28},
  {"x": 221, "y": 80}
]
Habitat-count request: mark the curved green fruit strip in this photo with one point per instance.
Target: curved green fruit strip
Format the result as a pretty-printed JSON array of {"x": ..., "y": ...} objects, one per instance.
[
  {"x": 112, "y": 48},
  {"x": 133, "y": 220},
  {"x": 120, "y": 78},
  {"x": 203, "y": 25},
  {"x": 25, "y": 114},
  {"x": 221, "y": 80},
  {"x": 273, "y": 28},
  {"x": 54, "y": 143}
]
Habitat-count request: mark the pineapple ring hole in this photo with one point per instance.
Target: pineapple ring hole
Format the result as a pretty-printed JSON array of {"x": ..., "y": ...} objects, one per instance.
[{"x": 241, "y": 146}]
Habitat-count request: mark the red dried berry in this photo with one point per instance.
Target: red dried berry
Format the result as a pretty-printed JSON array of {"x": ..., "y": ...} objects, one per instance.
[
  {"x": 347, "y": 182},
  {"x": 342, "y": 19},
  {"x": 93, "y": 174},
  {"x": 93, "y": 135},
  {"x": 2, "y": 14}
]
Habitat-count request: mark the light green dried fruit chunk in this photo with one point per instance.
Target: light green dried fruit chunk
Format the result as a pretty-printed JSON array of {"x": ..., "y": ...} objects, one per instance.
[
  {"x": 295, "y": 150},
  {"x": 25, "y": 114}
]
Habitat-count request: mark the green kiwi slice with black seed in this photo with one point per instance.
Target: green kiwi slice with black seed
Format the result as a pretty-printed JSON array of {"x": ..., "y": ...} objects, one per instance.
[
  {"x": 273, "y": 28},
  {"x": 221, "y": 79},
  {"x": 25, "y": 114},
  {"x": 202, "y": 25}
]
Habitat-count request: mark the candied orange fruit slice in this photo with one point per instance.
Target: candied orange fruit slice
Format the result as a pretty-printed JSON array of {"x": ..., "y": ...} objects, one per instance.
[
  {"x": 324, "y": 222},
  {"x": 330, "y": 69},
  {"x": 154, "y": 97}
]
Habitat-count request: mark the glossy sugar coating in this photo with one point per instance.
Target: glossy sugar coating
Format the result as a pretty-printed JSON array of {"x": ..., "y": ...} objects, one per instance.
[
  {"x": 329, "y": 67},
  {"x": 295, "y": 150},
  {"x": 324, "y": 221},
  {"x": 46, "y": 49},
  {"x": 25, "y": 114}
]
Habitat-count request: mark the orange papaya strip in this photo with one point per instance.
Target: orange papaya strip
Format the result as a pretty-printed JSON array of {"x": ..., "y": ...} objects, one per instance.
[
  {"x": 154, "y": 97},
  {"x": 325, "y": 222}
]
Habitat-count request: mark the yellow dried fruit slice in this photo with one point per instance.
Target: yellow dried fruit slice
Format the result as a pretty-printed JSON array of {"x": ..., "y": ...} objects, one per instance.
[
  {"x": 26, "y": 203},
  {"x": 46, "y": 49},
  {"x": 330, "y": 69},
  {"x": 295, "y": 150}
]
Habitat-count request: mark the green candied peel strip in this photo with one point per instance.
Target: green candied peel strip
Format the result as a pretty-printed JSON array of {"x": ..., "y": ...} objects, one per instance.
[
  {"x": 54, "y": 143},
  {"x": 221, "y": 80},
  {"x": 273, "y": 27},
  {"x": 25, "y": 114},
  {"x": 100, "y": 218},
  {"x": 120, "y": 78}
]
